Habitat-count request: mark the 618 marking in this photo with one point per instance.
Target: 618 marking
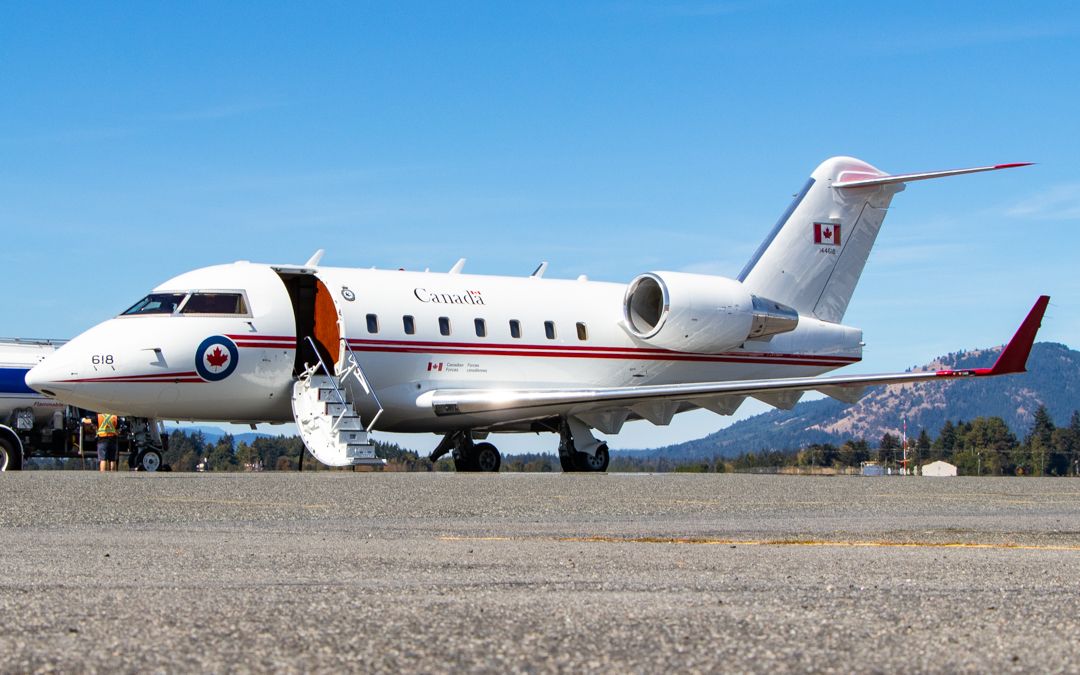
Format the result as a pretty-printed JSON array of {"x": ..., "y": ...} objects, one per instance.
[{"x": 102, "y": 359}]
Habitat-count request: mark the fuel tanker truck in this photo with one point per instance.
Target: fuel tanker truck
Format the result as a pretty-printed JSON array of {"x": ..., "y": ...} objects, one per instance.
[{"x": 33, "y": 425}]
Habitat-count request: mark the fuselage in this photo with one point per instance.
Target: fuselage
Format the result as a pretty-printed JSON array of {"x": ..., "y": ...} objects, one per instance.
[{"x": 227, "y": 342}]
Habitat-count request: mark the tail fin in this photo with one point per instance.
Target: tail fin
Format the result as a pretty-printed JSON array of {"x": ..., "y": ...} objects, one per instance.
[{"x": 814, "y": 256}]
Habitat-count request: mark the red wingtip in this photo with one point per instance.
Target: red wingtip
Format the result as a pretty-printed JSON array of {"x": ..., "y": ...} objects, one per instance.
[
  {"x": 1013, "y": 165},
  {"x": 1013, "y": 359}
]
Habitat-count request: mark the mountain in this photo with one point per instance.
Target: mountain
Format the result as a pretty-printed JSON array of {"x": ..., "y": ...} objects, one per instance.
[
  {"x": 1053, "y": 380},
  {"x": 214, "y": 434}
]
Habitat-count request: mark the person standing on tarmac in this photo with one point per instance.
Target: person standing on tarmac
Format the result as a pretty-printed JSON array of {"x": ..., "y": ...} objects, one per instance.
[{"x": 106, "y": 431}]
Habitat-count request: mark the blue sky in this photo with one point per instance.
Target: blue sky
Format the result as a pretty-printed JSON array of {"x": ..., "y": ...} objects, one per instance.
[{"x": 140, "y": 140}]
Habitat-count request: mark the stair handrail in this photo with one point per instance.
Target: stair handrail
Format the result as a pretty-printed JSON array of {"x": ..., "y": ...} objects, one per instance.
[
  {"x": 354, "y": 364},
  {"x": 337, "y": 389}
]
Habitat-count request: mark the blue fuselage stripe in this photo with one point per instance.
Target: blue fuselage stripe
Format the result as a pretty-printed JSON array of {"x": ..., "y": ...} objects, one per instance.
[{"x": 13, "y": 381}]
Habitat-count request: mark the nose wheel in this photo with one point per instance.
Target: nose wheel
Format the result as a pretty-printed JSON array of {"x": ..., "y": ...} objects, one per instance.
[{"x": 148, "y": 460}]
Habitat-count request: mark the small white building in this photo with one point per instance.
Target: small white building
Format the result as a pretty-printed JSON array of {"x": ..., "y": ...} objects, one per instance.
[
  {"x": 939, "y": 468},
  {"x": 872, "y": 469}
]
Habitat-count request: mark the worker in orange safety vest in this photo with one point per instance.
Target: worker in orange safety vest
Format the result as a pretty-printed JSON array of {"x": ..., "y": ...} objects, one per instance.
[{"x": 106, "y": 431}]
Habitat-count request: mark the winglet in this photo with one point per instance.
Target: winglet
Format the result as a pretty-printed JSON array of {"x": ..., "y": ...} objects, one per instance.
[{"x": 1013, "y": 358}]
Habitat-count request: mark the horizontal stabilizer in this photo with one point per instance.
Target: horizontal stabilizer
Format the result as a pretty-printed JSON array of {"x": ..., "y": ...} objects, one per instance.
[{"x": 858, "y": 179}]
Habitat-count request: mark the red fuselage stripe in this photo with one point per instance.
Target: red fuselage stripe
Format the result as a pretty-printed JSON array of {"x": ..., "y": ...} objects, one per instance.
[
  {"x": 553, "y": 351},
  {"x": 781, "y": 359},
  {"x": 581, "y": 350},
  {"x": 190, "y": 376}
]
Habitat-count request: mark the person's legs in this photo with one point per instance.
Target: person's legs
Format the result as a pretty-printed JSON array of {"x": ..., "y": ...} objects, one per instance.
[
  {"x": 102, "y": 454},
  {"x": 111, "y": 454}
]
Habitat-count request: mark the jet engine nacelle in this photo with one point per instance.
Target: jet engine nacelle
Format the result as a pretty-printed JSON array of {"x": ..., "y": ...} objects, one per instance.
[{"x": 699, "y": 313}]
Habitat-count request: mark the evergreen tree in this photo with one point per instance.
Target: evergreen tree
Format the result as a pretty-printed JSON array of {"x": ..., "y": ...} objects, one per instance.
[
  {"x": 946, "y": 439},
  {"x": 1040, "y": 440},
  {"x": 919, "y": 452},
  {"x": 986, "y": 442},
  {"x": 1074, "y": 434},
  {"x": 887, "y": 448},
  {"x": 853, "y": 452}
]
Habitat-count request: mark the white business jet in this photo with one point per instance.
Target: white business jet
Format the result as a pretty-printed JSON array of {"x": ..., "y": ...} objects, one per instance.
[{"x": 347, "y": 351}]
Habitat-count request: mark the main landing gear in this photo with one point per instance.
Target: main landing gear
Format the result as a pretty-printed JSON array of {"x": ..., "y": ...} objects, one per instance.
[
  {"x": 468, "y": 456},
  {"x": 579, "y": 451}
]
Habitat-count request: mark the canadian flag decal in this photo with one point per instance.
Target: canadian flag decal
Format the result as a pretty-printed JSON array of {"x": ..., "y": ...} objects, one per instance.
[{"x": 827, "y": 234}]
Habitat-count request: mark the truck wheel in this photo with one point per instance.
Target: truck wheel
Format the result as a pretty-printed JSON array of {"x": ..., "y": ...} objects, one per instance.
[
  {"x": 148, "y": 460},
  {"x": 10, "y": 456}
]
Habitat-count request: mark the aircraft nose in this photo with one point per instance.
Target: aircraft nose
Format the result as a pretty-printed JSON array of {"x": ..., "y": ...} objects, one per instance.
[{"x": 47, "y": 378}]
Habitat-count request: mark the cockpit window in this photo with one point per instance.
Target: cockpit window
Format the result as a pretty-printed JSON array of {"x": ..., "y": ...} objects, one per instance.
[
  {"x": 220, "y": 304},
  {"x": 156, "y": 303}
]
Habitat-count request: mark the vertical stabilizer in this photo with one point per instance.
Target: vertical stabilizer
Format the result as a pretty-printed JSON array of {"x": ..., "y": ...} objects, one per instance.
[{"x": 813, "y": 257}]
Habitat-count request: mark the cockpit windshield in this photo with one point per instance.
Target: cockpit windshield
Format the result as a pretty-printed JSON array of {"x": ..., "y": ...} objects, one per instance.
[
  {"x": 227, "y": 304},
  {"x": 156, "y": 303},
  {"x": 191, "y": 303}
]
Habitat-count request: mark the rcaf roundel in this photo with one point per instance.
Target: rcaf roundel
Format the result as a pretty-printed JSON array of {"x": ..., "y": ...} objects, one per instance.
[{"x": 215, "y": 358}]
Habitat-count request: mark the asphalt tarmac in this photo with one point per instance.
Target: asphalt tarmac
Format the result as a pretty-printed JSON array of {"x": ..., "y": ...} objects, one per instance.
[{"x": 537, "y": 573}]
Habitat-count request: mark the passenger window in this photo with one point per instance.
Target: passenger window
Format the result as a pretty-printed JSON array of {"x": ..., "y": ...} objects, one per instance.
[
  {"x": 410, "y": 325},
  {"x": 444, "y": 325},
  {"x": 481, "y": 328},
  {"x": 582, "y": 331},
  {"x": 156, "y": 303},
  {"x": 373, "y": 323},
  {"x": 549, "y": 329},
  {"x": 515, "y": 328},
  {"x": 217, "y": 304}
]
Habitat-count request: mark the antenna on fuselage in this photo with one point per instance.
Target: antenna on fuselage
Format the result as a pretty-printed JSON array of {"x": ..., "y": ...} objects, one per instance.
[
  {"x": 540, "y": 269},
  {"x": 456, "y": 269},
  {"x": 313, "y": 261}
]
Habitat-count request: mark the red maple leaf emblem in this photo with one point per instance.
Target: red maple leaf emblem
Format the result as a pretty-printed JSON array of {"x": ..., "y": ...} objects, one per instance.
[{"x": 217, "y": 358}]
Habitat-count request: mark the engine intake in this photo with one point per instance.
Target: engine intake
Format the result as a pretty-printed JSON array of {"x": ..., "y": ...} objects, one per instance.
[{"x": 699, "y": 313}]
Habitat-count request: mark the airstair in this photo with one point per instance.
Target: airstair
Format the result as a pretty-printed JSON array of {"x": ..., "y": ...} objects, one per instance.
[{"x": 326, "y": 418}]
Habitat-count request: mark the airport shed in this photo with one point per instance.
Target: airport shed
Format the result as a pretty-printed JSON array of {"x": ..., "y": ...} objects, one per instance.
[
  {"x": 939, "y": 468},
  {"x": 872, "y": 469}
]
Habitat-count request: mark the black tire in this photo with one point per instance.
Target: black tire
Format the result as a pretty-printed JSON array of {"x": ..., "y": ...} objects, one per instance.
[
  {"x": 486, "y": 458},
  {"x": 11, "y": 458},
  {"x": 567, "y": 463},
  {"x": 464, "y": 463},
  {"x": 148, "y": 460},
  {"x": 593, "y": 463}
]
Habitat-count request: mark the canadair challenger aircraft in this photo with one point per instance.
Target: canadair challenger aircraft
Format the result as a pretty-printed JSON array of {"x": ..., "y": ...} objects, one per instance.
[{"x": 347, "y": 351}]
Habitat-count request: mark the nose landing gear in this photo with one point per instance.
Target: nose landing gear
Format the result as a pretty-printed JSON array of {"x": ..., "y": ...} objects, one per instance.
[{"x": 147, "y": 445}]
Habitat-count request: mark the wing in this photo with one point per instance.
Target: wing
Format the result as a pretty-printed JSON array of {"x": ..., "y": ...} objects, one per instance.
[{"x": 663, "y": 400}]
